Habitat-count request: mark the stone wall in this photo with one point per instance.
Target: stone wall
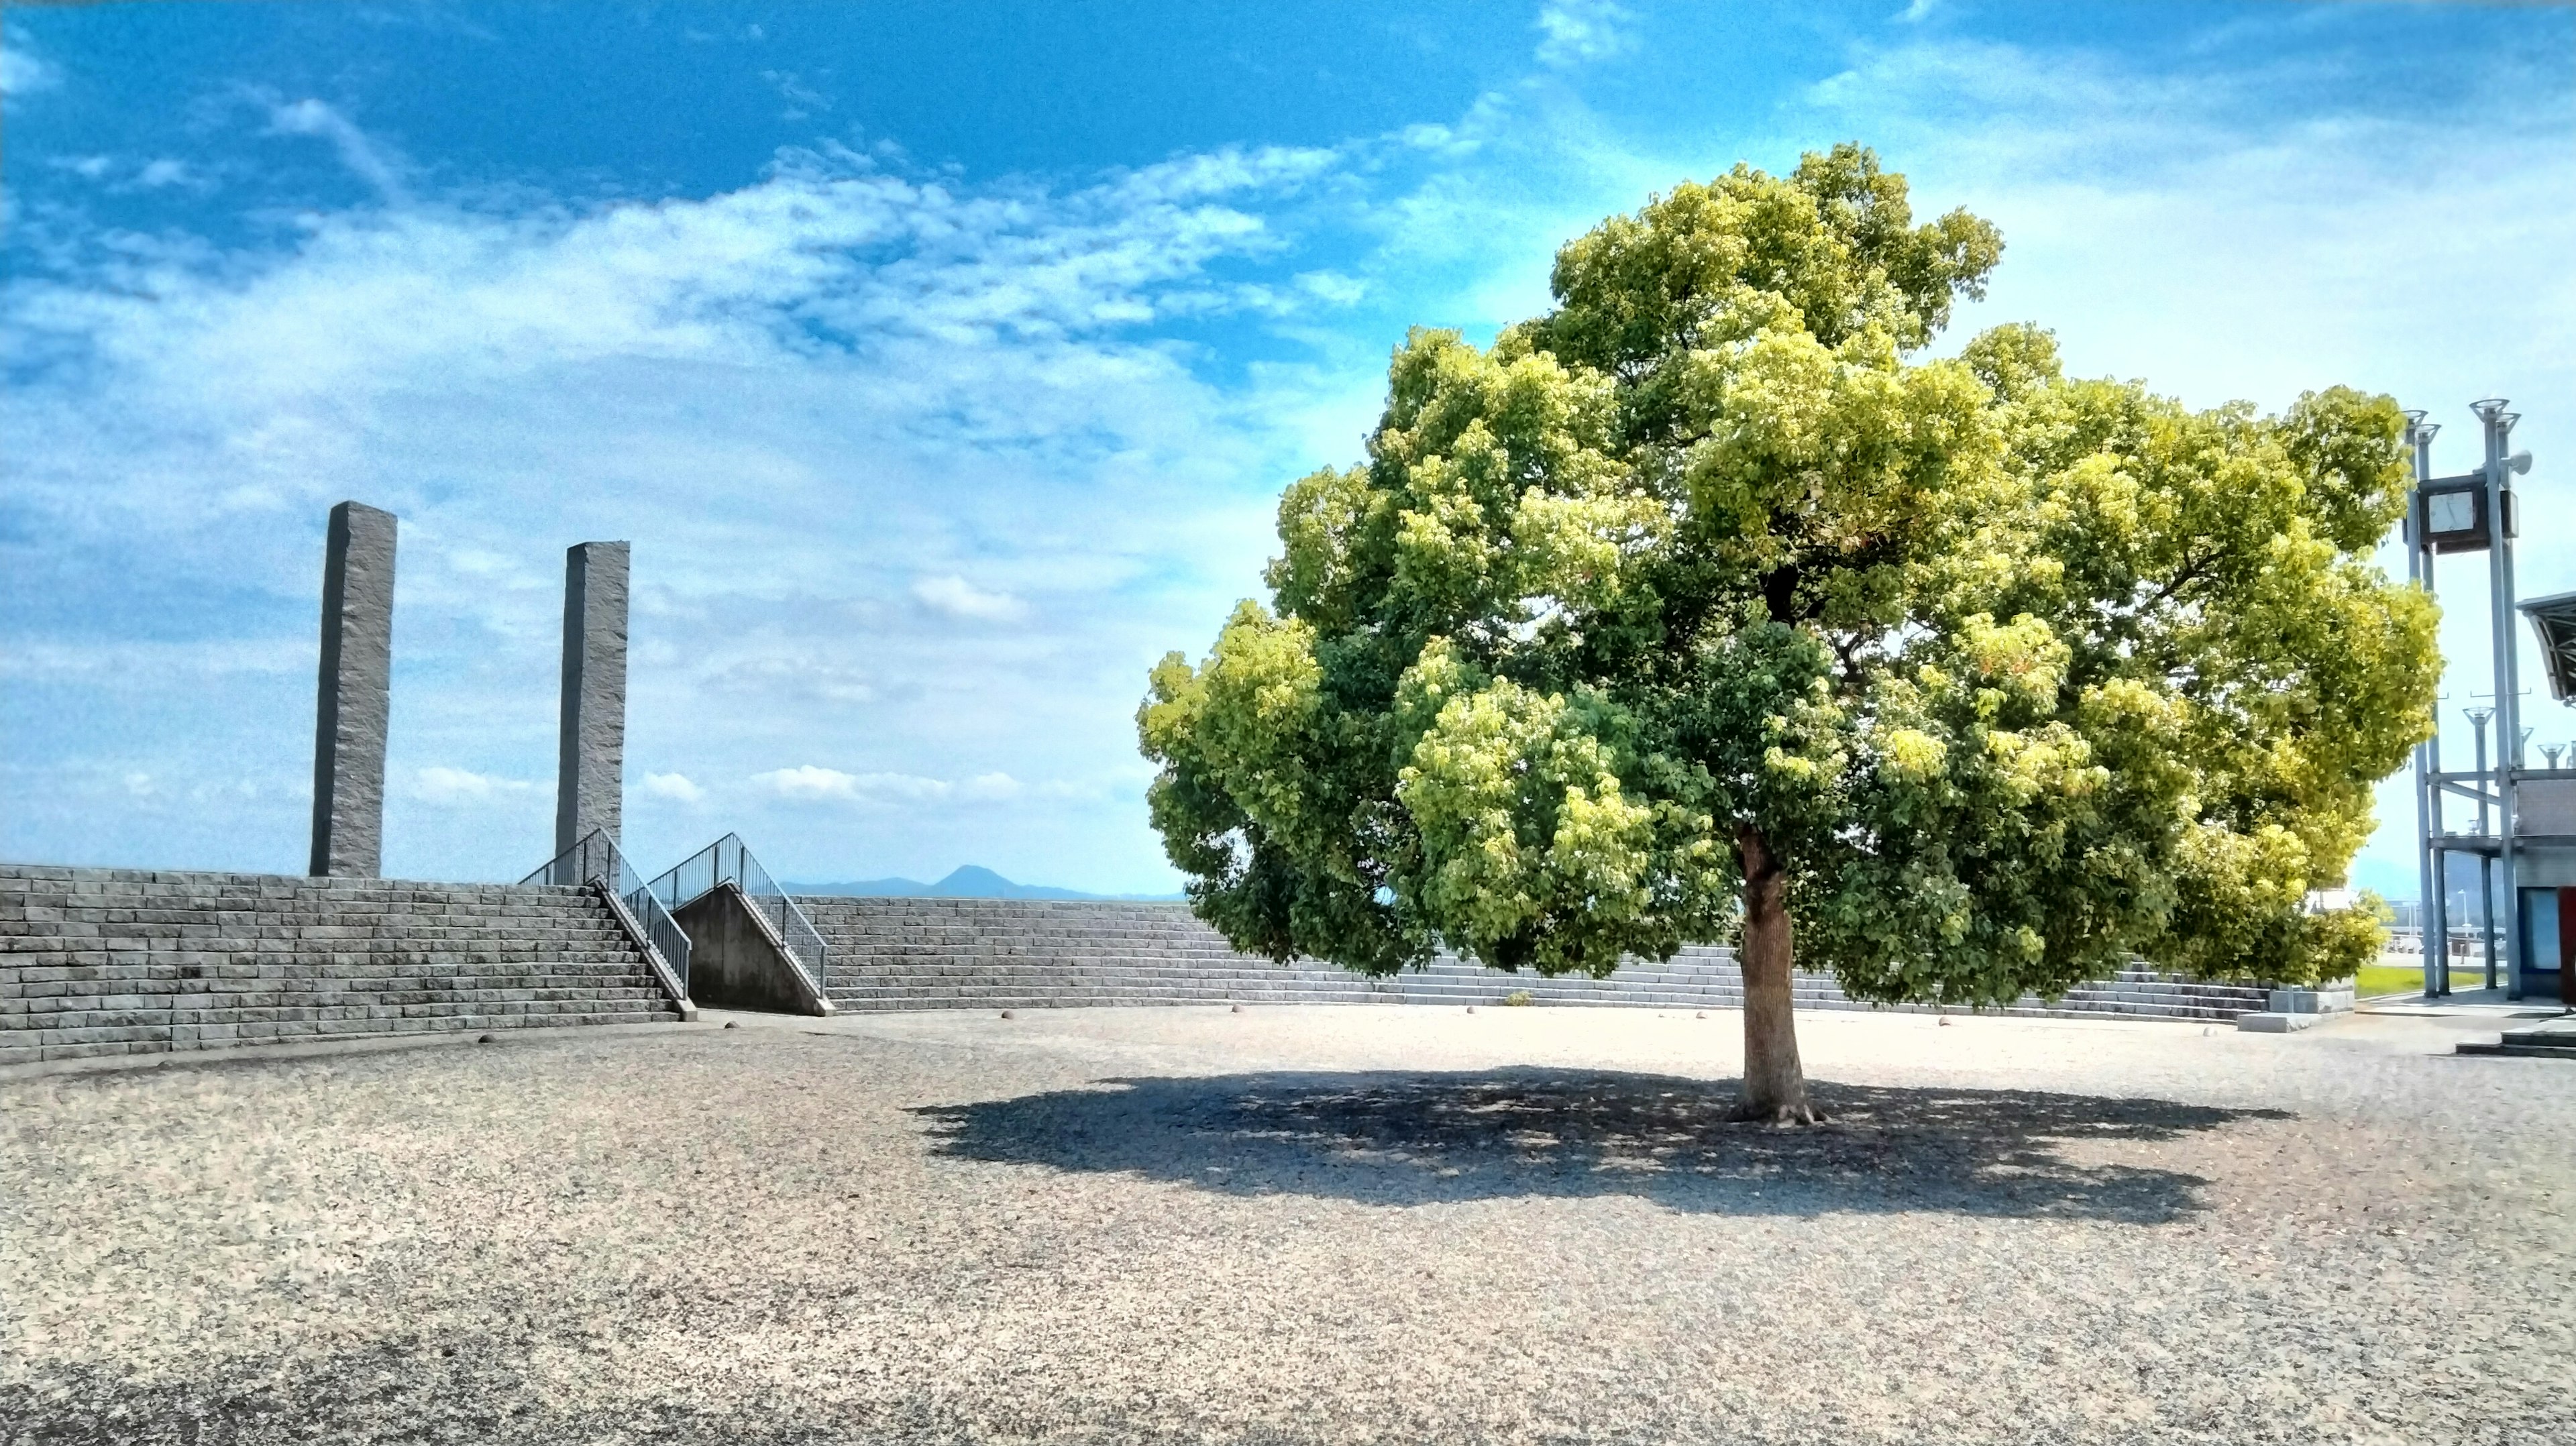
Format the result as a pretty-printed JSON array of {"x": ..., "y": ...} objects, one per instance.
[
  {"x": 116, "y": 961},
  {"x": 124, "y": 961},
  {"x": 1011, "y": 953}
]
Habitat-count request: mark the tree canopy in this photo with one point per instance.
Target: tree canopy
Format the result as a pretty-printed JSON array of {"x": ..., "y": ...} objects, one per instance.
[{"x": 1707, "y": 589}]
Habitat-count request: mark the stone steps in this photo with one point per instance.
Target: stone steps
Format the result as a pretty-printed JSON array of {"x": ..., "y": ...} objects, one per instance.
[
  {"x": 891, "y": 954},
  {"x": 96, "y": 961},
  {"x": 2555, "y": 1040},
  {"x": 2520, "y": 1051}
]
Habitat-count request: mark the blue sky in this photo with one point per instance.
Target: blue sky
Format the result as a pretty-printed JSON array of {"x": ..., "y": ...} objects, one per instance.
[{"x": 943, "y": 363}]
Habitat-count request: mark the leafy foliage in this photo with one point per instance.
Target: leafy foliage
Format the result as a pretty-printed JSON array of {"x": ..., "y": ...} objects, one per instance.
[{"x": 2015, "y": 673}]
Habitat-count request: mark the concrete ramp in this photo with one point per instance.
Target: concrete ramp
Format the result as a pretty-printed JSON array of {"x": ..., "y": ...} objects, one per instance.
[
  {"x": 737, "y": 960},
  {"x": 759, "y": 949}
]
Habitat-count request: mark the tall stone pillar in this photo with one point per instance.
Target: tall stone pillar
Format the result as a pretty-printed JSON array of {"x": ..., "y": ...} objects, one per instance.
[
  {"x": 357, "y": 673},
  {"x": 589, "y": 775}
]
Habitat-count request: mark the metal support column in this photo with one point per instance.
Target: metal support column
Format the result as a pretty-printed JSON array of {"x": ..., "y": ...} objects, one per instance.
[
  {"x": 2479, "y": 718},
  {"x": 2499, "y": 426},
  {"x": 2432, "y": 919}
]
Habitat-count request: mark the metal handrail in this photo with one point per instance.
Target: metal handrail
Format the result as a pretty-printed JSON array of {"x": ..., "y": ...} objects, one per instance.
[
  {"x": 729, "y": 861},
  {"x": 596, "y": 860}
]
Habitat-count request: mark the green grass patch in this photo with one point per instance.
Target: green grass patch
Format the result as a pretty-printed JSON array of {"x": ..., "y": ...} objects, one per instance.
[{"x": 2382, "y": 979}]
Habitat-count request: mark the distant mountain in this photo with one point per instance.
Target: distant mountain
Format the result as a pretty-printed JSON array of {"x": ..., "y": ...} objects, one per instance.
[
  {"x": 973, "y": 881},
  {"x": 2392, "y": 880}
]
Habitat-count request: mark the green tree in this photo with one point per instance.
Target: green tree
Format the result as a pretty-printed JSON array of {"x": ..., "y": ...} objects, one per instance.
[{"x": 1700, "y": 609}]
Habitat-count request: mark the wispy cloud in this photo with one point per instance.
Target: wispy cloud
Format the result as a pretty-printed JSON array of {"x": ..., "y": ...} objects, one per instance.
[
  {"x": 809, "y": 783},
  {"x": 923, "y": 469},
  {"x": 959, "y": 598},
  {"x": 369, "y": 160},
  {"x": 166, "y": 172},
  {"x": 440, "y": 784},
  {"x": 674, "y": 786},
  {"x": 22, "y": 71},
  {"x": 149, "y": 664},
  {"x": 818, "y": 405},
  {"x": 802, "y": 98},
  {"x": 1573, "y": 32},
  {"x": 2257, "y": 226}
]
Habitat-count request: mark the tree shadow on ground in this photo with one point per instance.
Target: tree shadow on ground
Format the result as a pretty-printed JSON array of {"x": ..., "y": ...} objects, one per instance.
[{"x": 1403, "y": 1138}]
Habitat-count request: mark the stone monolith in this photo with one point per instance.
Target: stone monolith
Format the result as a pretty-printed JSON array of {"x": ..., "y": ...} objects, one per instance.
[
  {"x": 592, "y": 760},
  {"x": 350, "y": 712}
]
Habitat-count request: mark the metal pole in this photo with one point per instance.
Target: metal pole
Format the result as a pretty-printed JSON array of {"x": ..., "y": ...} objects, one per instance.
[
  {"x": 2433, "y": 915},
  {"x": 2486, "y": 883},
  {"x": 2499, "y": 426},
  {"x": 2479, "y": 718}
]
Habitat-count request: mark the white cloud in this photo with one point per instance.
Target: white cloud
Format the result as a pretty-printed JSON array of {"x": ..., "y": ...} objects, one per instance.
[
  {"x": 798, "y": 399},
  {"x": 22, "y": 70},
  {"x": 1575, "y": 31},
  {"x": 2263, "y": 228},
  {"x": 441, "y": 784},
  {"x": 372, "y": 162},
  {"x": 802, "y": 99},
  {"x": 673, "y": 786},
  {"x": 808, "y": 398},
  {"x": 143, "y": 664},
  {"x": 807, "y": 781},
  {"x": 959, "y": 598},
  {"x": 1332, "y": 288}
]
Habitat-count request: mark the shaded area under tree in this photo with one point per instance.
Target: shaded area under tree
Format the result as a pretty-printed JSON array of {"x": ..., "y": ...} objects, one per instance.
[{"x": 1403, "y": 1138}]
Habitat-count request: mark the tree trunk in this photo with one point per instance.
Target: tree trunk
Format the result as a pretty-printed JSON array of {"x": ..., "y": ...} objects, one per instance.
[{"x": 1775, "y": 1087}]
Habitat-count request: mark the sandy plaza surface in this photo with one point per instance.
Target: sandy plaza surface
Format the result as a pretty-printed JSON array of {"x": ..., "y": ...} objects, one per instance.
[{"x": 1296, "y": 1224}]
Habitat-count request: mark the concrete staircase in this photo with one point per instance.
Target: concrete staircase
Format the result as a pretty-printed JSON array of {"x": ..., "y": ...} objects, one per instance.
[
  {"x": 99, "y": 961},
  {"x": 2554, "y": 1040},
  {"x": 895, "y": 953}
]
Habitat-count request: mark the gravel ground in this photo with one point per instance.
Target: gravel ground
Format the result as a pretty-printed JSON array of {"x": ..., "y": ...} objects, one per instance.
[{"x": 1298, "y": 1224}]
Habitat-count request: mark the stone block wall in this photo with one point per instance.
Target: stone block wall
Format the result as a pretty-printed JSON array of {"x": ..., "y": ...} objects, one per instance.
[
  {"x": 898, "y": 953},
  {"x": 116, "y": 961},
  {"x": 126, "y": 961}
]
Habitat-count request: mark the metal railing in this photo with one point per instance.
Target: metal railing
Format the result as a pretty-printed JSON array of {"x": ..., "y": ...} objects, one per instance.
[
  {"x": 728, "y": 861},
  {"x": 596, "y": 859}
]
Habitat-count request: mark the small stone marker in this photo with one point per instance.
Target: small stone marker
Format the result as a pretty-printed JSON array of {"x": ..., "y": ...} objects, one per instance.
[
  {"x": 591, "y": 758},
  {"x": 354, "y": 695}
]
